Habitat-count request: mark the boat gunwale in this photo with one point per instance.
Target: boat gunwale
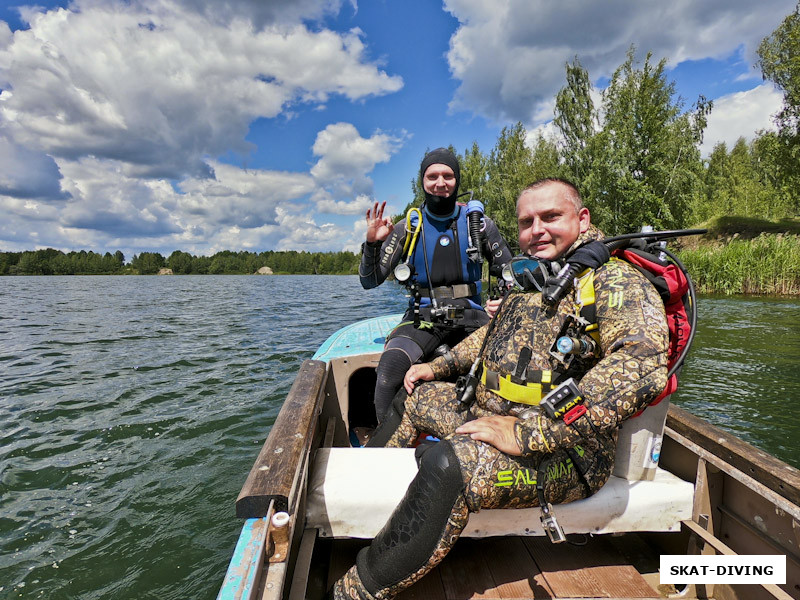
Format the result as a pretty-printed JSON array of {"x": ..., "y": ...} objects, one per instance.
[{"x": 759, "y": 466}]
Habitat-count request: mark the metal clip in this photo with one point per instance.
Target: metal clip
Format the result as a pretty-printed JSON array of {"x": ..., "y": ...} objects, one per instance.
[{"x": 551, "y": 526}]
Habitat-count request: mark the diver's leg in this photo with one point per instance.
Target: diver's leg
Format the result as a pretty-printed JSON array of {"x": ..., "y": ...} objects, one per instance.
[
  {"x": 498, "y": 480},
  {"x": 458, "y": 476},
  {"x": 417, "y": 536},
  {"x": 397, "y": 358},
  {"x": 405, "y": 346},
  {"x": 394, "y": 425},
  {"x": 432, "y": 408}
]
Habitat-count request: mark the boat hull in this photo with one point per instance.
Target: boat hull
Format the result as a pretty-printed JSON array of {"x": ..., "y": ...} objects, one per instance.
[{"x": 744, "y": 501}]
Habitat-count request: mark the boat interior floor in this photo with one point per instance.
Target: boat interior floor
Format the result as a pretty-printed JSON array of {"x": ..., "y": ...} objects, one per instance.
[{"x": 607, "y": 566}]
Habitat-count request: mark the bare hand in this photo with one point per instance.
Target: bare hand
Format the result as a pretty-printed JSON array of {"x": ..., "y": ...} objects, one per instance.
[
  {"x": 492, "y": 306},
  {"x": 378, "y": 226},
  {"x": 415, "y": 374},
  {"x": 497, "y": 431}
]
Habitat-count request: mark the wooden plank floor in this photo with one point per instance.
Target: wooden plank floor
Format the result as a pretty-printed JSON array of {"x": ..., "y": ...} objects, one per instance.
[{"x": 519, "y": 568}]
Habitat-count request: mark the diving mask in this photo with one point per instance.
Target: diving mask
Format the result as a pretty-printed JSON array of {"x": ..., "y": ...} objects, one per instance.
[{"x": 527, "y": 272}]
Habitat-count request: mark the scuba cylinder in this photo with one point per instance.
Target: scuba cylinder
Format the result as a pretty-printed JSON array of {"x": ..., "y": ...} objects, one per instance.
[{"x": 476, "y": 226}]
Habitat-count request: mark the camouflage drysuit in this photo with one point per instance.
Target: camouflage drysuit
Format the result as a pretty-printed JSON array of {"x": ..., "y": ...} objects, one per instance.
[{"x": 460, "y": 475}]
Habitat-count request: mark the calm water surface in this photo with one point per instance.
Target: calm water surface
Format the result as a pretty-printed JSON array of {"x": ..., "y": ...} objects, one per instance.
[{"x": 131, "y": 410}]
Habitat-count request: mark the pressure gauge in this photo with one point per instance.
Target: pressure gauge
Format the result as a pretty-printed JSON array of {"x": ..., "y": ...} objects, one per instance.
[{"x": 402, "y": 272}]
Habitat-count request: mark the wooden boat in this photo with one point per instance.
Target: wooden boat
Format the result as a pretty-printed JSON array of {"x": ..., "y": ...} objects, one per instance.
[{"x": 311, "y": 502}]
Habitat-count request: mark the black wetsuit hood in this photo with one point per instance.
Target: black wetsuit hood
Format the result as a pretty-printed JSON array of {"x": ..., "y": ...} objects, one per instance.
[{"x": 438, "y": 205}]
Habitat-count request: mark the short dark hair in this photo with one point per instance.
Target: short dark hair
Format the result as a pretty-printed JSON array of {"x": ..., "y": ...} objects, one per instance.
[{"x": 572, "y": 190}]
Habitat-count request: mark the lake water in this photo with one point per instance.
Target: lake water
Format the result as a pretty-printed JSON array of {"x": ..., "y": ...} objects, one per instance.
[{"x": 131, "y": 410}]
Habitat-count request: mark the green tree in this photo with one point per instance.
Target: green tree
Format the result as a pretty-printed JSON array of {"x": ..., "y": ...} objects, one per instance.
[
  {"x": 642, "y": 166},
  {"x": 779, "y": 61},
  {"x": 715, "y": 201},
  {"x": 7, "y": 261},
  {"x": 62, "y": 265},
  {"x": 147, "y": 263},
  {"x": 474, "y": 172},
  {"x": 29, "y": 264},
  {"x": 577, "y": 121},
  {"x": 510, "y": 169},
  {"x": 180, "y": 262},
  {"x": 767, "y": 153}
]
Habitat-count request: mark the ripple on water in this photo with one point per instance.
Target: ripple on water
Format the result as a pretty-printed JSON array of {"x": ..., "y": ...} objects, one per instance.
[{"x": 742, "y": 368}]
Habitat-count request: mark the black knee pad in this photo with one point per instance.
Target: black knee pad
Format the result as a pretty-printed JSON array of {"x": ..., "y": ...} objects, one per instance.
[
  {"x": 392, "y": 366},
  {"x": 415, "y": 528},
  {"x": 391, "y": 369}
]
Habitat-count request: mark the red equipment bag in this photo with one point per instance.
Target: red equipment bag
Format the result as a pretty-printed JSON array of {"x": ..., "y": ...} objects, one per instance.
[{"x": 673, "y": 287}]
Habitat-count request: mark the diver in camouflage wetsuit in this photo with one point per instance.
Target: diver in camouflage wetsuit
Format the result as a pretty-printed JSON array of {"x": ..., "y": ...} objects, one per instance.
[{"x": 491, "y": 455}]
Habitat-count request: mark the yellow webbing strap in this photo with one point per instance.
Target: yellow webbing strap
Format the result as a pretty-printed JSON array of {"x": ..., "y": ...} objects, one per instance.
[
  {"x": 530, "y": 393},
  {"x": 412, "y": 238},
  {"x": 586, "y": 302}
]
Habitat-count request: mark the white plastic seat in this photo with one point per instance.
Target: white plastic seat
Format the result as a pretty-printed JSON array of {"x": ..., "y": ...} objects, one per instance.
[{"x": 353, "y": 491}]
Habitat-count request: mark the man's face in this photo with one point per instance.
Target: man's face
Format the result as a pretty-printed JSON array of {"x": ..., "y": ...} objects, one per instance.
[
  {"x": 548, "y": 222},
  {"x": 439, "y": 180}
]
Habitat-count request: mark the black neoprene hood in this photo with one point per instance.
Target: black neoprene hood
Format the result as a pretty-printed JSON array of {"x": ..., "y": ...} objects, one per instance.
[{"x": 440, "y": 156}]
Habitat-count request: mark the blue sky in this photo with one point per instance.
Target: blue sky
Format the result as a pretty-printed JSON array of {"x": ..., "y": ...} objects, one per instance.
[{"x": 205, "y": 125}]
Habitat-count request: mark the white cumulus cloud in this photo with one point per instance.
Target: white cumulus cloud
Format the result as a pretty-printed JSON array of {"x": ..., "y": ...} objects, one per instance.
[
  {"x": 113, "y": 116},
  {"x": 509, "y": 56},
  {"x": 159, "y": 88},
  {"x": 345, "y": 160},
  {"x": 742, "y": 114}
]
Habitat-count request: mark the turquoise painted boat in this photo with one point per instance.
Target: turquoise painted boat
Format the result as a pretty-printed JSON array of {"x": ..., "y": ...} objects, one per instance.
[{"x": 312, "y": 500}]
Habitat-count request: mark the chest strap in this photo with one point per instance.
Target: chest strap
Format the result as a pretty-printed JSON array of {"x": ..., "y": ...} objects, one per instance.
[
  {"x": 451, "y": 292},
  {"x": 538, "y": 384}
]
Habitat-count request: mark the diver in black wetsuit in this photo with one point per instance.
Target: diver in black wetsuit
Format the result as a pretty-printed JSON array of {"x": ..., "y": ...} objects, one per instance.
[{"x": 444, "y": 264}]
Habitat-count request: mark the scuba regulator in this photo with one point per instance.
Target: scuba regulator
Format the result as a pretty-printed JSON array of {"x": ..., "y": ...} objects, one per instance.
[
  {"x": 594, "y": 254},
  {"x": 404, "y": 271}
]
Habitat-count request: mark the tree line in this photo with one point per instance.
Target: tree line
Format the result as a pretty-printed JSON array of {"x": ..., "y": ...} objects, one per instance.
[
  {"x": 56, "y": 262},
  {"x": 634, "y": 154}
]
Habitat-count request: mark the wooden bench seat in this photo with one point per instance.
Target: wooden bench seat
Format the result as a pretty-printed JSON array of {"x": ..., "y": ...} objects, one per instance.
[{"x": 353, "y": 491}]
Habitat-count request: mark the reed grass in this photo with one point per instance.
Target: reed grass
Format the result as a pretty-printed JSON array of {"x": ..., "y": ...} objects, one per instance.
[{"x": 768, "y": 264}]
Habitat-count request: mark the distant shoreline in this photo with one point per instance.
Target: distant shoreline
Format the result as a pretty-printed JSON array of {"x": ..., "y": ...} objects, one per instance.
[{"x": 731, "y": 260}]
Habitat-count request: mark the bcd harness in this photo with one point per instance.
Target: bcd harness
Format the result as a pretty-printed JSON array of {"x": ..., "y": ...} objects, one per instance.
[
  {"x": 529, "y": 386},
  {"x": 579, "y": 335},
  {"x": 415, "y": 271}
]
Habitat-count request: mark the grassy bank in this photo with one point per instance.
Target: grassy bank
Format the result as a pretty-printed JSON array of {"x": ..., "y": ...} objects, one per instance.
[{"x": 746, "y": 256}]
